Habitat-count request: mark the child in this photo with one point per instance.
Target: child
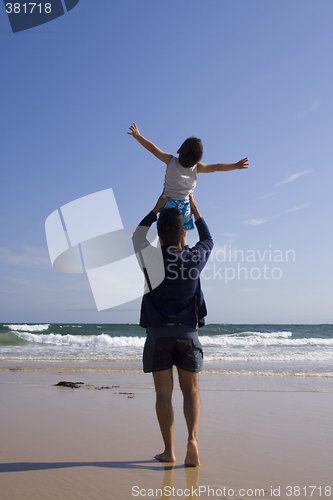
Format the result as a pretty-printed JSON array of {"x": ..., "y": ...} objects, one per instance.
[{"x": 181, "y": 173}]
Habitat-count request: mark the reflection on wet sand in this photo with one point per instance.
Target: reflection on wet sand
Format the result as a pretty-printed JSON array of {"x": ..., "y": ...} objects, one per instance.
[{"x": 192, "y": 481}]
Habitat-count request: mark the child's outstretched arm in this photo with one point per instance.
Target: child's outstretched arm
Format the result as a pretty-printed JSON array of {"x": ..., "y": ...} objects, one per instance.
[
  {"x": 165, "y": 157},
  {"x": 222, "y": 167}
]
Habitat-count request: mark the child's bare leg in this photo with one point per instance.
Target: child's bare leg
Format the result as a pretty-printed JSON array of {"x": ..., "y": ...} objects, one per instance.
[{"x": 183, "y": 240}]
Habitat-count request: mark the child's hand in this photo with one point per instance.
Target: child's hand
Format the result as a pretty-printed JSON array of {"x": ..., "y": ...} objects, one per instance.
[
  {"x": 242, "y": 163},
  {"x": 134, "y": 131}
]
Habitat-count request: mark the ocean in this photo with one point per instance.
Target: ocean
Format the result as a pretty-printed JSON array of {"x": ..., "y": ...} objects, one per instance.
[{"x": 251, "y": 350}]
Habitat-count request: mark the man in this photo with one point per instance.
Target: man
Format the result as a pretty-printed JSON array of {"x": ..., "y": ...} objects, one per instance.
[{"x": 172, "y": 311}]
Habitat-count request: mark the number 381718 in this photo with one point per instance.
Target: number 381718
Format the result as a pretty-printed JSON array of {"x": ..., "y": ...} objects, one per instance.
[{"x": 17, "y": 8}]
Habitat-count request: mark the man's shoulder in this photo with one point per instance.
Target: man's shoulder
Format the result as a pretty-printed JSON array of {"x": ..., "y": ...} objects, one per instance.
[{"x": 181, "y": 254}]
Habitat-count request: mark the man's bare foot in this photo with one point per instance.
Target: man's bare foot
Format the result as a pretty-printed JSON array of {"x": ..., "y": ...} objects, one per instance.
[
  {"x": 165, "y": 457},
  {"x": 192, "y": 455}
]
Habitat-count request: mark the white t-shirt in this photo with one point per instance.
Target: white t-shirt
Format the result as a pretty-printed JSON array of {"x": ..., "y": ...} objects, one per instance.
[{"x": 179, "y": 181}]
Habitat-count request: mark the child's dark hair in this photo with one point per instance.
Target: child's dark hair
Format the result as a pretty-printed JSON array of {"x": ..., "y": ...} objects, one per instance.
[
  {"x": 190, "y": 152},
  {"x": 170, "y": 227}
]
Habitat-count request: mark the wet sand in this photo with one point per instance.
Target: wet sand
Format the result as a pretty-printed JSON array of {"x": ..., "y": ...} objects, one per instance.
[{"x": 93, "y": 443}]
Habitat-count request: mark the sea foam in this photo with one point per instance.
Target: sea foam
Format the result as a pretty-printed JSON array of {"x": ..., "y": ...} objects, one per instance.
[
  {"x": 28, "y": 328},
  {"x": 102, "y": 340}
]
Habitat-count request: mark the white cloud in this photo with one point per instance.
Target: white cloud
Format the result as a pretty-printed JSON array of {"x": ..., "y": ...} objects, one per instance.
[
  {"x": 311, "y": 108},
  {"x": 255, "y": 222},
  {"x": 292, "y": 177},
  {"x": 295, "y": 209},
  {"x": 230, "y": 235},
  {"x": 30, "y": 256},
  {"x": 268, "y": 195}
]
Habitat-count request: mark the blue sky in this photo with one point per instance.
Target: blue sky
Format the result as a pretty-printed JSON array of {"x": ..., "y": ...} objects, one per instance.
[{"x": 249, "y": 78}]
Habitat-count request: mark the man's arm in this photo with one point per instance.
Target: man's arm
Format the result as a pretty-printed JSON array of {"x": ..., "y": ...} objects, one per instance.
[
  {"x": 165, "y": 157},
  {"x": 150, "y": 258},
  {"x": 160, "y": 203},
  {"x": 194, "y": 207},
  {"x": 222, "y": 167},
  {"x": 139, "y": 236},
  {"x": 205, "y": 243}
]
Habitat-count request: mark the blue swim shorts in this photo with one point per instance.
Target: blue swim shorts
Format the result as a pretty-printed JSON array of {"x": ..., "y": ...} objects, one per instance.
[{"x": 185, "y": 209}]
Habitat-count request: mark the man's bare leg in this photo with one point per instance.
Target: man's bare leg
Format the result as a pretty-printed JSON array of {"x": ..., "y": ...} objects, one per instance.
[
  {"x": 189, "y": 384},
  {"x": 164, "y": 386}
]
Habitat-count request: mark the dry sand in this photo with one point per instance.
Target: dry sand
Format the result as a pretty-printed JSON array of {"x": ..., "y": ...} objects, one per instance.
[{"x": 90, "y": 444}]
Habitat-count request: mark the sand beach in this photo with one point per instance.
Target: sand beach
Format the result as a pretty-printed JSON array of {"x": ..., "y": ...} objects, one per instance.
[{"x": 260, "y": 437}]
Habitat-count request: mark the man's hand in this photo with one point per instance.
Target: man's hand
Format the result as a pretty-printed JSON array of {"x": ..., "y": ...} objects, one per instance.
[
  {"x": 242, "y": 163},
  {"x": 194, "y": 207},
  {"x": 134, "y": 131},
  {"x": 160, "y": 203}
]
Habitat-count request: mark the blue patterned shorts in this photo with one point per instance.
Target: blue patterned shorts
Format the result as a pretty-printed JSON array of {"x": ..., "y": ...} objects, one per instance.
[{"x": 185, "y": 209}]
